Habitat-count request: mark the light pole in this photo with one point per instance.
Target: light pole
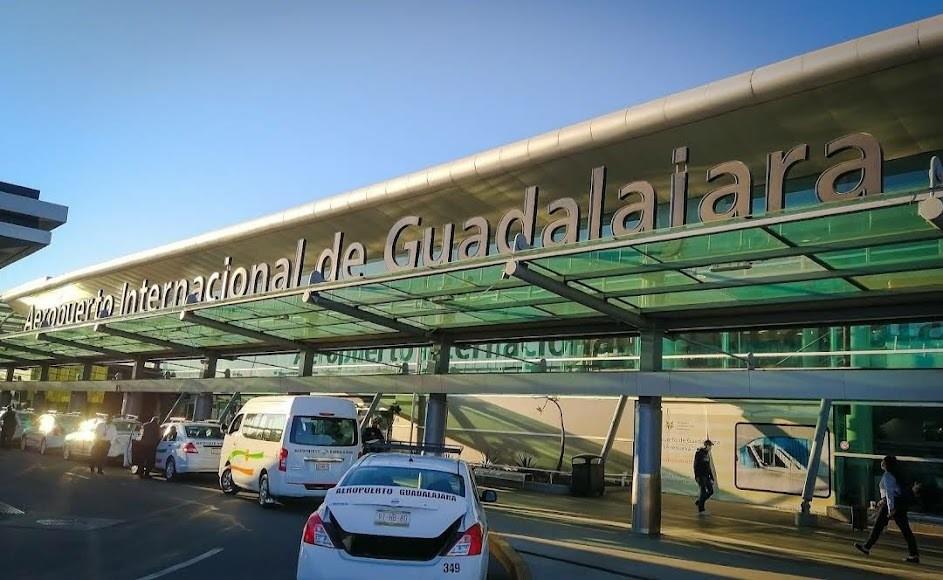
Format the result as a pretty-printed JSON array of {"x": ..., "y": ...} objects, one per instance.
[{"x": 540, "y": 409}]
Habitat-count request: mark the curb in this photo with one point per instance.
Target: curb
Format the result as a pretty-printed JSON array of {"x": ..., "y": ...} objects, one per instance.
[{"x": 508, "y": 557}]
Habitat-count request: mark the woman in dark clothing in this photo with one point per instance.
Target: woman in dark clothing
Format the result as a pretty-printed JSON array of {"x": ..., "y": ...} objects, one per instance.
[
  {"x": 150, "y": 439},
  {"x": 894, "y": 505}
]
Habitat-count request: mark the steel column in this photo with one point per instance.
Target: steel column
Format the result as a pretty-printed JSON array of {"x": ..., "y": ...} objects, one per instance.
[
  {"x": 805, "y": 516},
  {"x": 209, "y": 367},
  {"x": 203, "y": 409},
  {"x": 44, "y": 372},
  {"x": 132, "y": 404},
  {"x": 646, "y": 477},
  {"x": 437, "y": 410},
  {"x": 78, "y": 401},
  {"x": 87, "y": 372},
  {"x": 9, "y": 374},
  {"x": 646, "y": 470},
  {"x": 306, "y": 362},
  {"x": 137, "y": 371}
]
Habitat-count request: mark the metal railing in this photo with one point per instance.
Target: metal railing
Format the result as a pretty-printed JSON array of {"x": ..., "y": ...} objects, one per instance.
[{"x": 623, "y": 479}]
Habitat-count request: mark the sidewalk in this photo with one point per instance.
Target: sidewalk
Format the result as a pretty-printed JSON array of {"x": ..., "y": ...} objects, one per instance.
[{"x": 557, "y": 533}]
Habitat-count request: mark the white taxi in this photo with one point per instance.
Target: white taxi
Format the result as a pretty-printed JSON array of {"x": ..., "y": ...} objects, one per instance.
[
  {"x": 399, "y": 516},
  {"x": 79, "y": 443},
  {"x": 188, "y": 447},
  {"x": 49, "y": 431}
]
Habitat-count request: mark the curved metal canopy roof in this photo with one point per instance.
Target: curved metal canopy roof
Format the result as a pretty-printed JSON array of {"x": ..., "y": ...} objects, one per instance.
[{"x": 870, "y": 259}]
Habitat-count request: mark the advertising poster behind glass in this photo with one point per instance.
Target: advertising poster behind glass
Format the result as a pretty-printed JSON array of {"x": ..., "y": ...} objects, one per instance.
[{"x": 773, "y": 458}]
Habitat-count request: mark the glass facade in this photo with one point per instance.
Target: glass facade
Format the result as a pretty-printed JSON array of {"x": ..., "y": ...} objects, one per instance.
[{"x": 865, "y": 433}]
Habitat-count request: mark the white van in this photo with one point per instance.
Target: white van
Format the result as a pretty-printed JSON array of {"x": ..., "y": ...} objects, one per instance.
[{"x": 293, "y": 446}]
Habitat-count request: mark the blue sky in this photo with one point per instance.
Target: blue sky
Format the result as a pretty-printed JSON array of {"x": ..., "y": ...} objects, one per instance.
[{"x": 156, "y": 121}]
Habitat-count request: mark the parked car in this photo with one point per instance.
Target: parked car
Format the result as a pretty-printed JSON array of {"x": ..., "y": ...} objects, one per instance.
[
  {"x": 189, "y": 447},
  {"x": 296, "y": 446},
  {"x": 49, "y": 431},
  {"x": 395, "y": 515},
  {"x": 79, "y": 443},
  {"x": 24, "y": 420}
]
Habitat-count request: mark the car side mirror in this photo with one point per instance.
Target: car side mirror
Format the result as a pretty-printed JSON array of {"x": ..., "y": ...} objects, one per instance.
[{"x": 489, "y": 496}]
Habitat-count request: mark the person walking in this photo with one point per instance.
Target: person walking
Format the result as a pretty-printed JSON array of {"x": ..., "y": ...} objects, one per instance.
[
  {"x": 893, "y": 505},
  {"x": 703, "y": 475},
  {"x": 104, "y": 434},
  {"x": 7, "y": 426}
]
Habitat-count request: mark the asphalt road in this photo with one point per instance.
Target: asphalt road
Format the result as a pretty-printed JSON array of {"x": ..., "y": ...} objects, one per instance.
[{"x": 78, "y": 525}]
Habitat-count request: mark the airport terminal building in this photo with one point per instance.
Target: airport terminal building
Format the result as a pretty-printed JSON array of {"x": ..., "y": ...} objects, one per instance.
[{"x": 758, "y": 260}]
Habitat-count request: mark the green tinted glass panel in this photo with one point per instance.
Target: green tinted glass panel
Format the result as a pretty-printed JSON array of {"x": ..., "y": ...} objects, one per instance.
[
  {"x": 568, "y": 309},
  {"x": 870, "y": 225},
  {"x": 714, "y": 247},
  {"x": 415, "y": 307},
  {"x": 778, "y": 292},
  {"x": 888, "y": 255},
  {"x": 367, "y": 294},
  {"x": 595, "y": 262},
  {"x": 459, "y": 281},
  {"x": 641, "y": 281},
  {"x": 923, "y": 279}
]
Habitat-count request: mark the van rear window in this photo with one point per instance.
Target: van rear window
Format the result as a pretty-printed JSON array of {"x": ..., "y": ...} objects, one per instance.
[{"x": 324, "y": 431}]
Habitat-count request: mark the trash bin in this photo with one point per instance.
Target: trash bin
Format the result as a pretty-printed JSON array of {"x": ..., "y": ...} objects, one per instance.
[
  {"x": 588, "y": 475},
  {"x": 859, "y": 517}
]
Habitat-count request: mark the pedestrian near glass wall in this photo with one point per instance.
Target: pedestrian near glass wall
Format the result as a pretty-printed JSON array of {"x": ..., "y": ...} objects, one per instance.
[
  {"x": 895, "y": 501},
  {"x": 704, "y": 475}
]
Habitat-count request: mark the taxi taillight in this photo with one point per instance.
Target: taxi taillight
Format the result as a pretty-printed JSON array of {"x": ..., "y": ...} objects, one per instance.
[
  {"x": 190, "y": 448},
  {"x": 469, "y": 544},
  {"x": 283, "y": 460},
  {"x": 315, "y": 532}
]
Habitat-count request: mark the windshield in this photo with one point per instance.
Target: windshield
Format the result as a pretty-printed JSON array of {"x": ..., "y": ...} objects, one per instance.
[
  {"x": 204, "y": 432},
  {"x": 324, "y": 431},
  {"x": 413, "y": 478}
]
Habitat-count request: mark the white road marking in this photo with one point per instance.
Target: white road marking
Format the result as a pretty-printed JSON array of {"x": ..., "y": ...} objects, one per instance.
[
  {"x": 182, "y": 565},
  {"x": 9, "y": 510}
]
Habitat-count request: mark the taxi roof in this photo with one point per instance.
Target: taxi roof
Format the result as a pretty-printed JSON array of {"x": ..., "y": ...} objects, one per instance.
[{"x": 407, "y": 460}]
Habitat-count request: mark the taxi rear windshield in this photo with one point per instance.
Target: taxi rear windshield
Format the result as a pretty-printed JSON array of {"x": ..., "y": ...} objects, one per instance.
[
  {"x": 414, "y": 478},
  {"x": 204, "y": 432},
  {"x": 323, "y": 431}
]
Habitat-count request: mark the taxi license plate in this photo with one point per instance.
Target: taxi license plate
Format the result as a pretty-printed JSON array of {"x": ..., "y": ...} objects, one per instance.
[
  {"x": 392, "y": 518},
  {"x": 322, "y": 466},
  {"x": 214, "y": 451}
]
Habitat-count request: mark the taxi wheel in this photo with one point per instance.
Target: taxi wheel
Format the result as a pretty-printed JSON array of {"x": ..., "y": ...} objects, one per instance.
[
  {"x": 170, "y": 470},
  {"x": 42, "y": 447},
  {"x": 265, "y": 497},
  {"x": 66, "y": 452},
  {"x": 226, "y": 483}
]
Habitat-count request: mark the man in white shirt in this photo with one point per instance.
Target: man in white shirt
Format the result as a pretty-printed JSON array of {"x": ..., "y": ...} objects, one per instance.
[{"x": 105, "y": 433}]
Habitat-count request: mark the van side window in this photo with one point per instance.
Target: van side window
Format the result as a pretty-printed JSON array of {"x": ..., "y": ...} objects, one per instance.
[
  {"x": 264, "y": 427},
  {"x": 236, "y": 423}
]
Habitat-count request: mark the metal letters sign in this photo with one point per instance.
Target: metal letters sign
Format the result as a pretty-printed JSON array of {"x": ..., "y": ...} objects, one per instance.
[{"x": 410, "y": 244}]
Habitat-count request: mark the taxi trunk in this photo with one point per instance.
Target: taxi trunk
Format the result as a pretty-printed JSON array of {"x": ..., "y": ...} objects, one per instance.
[
  {"x": 203, "y": 454},
  {"x": 395, "y": 523}
]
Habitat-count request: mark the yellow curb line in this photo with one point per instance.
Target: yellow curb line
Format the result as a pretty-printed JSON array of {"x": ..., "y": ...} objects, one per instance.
[{"x": 508, "y": 557}]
